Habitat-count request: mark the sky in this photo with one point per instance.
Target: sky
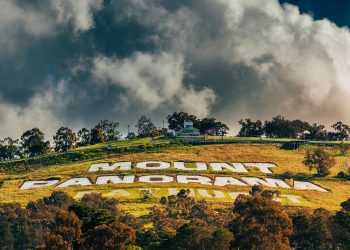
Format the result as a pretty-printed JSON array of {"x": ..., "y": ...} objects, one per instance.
[{"x": 74, "y": 62}]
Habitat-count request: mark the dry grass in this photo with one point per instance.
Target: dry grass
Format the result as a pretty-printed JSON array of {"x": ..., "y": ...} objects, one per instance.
[{"x": 286, "y": 160}]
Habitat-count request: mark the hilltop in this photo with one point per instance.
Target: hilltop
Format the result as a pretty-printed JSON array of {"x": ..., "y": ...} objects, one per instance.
[{"x": 76, "y": 163}]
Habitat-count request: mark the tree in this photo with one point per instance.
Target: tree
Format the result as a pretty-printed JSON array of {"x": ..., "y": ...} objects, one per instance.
[
  {"x": 211, "y": 123},
  {"x": 59, "y": 199},
  {"x": 177, "y": 119},
  {"x": 191, "y": 237},
  {"x": 221, "y": 128},
  {"x": 222, "y": 239},
  {"x": 9, "y": 149},
  {"x": 107, "y": 237},
  {"x": 342, "y": 130},
  {"x": 97, "y": 201},
  {"x": 342, "y": 226},
  {"x": 109, "y": 130},
  {"x": 317, "y": 132},
  {"x": 92, "y": 217},
  {"x": 260, "y": 223},
  {"x": 97, "y": 136},
  {"x": 66, "y": 227},
  {"x": 64, "y": 139},
  {"x": 33, "y": 142},
  {"x": 346, "y": 205},
  {"x": 145, "y": 127},
  {"x": 250, "y": 128},
  {"x": 84, "y": 136},
  {"x": 312, "y": 231},
  {"x": 320, "y": 160}
]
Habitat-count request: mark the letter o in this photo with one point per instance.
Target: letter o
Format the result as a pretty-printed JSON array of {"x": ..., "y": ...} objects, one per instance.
[
  {"x": 156, "y": 179},
  {"x": 150, "y": 165}
]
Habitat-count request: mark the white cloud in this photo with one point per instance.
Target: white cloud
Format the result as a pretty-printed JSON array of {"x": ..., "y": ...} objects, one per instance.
[
  {"x": 154, "y": 80},
  {"x": 302, "y": 64},
  {"x": 79, "y": 12},
  {"x": 17, "y": 20},
  {"x": 38, "y": 113}
]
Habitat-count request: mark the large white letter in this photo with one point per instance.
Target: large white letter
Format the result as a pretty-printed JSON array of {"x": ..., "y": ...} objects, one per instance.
[
  {"x": 38, "y": 184},
  {"x": 192, "y": 179},
  {"x": 263, "y": 167},
  {"x": 156, "y": 179},
  {"x": 237, "y": 167},
  {"x": 223, "y": 181},
  {"x": 153, "y": 165},
  {"x": 269, "y": 182},
  {"x": 76, "y": 182},
  {"x": 216, "y": 194},
  {"x": 106, "y": 167},
  {"x": 304, "y": 185},
  {"x": 200, "y": 166},
  {"x": 101, "y": 180}
]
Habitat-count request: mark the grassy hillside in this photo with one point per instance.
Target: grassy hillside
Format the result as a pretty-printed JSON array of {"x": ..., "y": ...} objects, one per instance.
[{"x": 287, "y": 161}]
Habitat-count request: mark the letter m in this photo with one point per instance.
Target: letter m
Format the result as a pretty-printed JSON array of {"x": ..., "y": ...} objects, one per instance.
[{"x": 106, "y": 167}]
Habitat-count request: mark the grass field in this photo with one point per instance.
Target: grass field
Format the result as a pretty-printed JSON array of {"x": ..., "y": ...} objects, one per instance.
[{"x": 286, "y": 161}]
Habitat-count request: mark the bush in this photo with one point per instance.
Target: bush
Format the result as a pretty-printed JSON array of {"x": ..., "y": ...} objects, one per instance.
[{"x": 320, "y": 160}]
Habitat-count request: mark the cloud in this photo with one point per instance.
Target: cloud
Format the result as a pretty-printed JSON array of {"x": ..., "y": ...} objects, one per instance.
[
  {"x": 80, "y": 13},
  {"x": 43, "y": 111},
  {"x": 125, "y": 58},
  {"x": 153, "y": 80},
  {"x": 299, "y": 66},
  {"x": 42, "y": 19}
]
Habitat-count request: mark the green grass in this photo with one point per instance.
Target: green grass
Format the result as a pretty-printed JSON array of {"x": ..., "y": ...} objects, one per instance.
[{"x": 286, "y": 160}]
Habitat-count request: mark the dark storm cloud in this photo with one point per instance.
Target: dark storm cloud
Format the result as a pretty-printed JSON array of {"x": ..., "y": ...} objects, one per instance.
[{"x": 70, "y": 62}]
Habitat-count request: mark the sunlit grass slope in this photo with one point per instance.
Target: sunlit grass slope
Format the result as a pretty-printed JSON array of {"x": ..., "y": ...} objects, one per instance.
[{"x": 286, "y": 161}]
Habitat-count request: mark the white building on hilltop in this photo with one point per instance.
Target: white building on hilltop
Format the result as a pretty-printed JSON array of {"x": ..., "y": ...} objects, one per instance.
[{"x": 188, "y": 130}]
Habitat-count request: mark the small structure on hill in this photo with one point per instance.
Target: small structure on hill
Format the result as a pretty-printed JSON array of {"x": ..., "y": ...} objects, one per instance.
[{"x": 188, "y": 130}]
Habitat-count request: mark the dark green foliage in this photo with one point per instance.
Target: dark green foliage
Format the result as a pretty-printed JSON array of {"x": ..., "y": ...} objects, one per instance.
[
  {"x": 97, "y": 136},
  {"x": 91, "y": 217},
  {"x": 109, "y": 130},
  {"x": 177, "y": 119},
  {"x": 96, "y": 201},
  {"x": 148, "y": 239},
  {"x": 33, "y": 143},
  {"x": 9, "y": 149},
  {"x": 281, "y": 127},
  {"x": 145, "y": 127},
  {"x": 250, "y": 128},
  {"x": 346, "y": 205},
  {"x": 342, "y": 229},
  {"x": 342, "y": 131},
  {"x": 190, "y": 237},
  {"x": 84, "y": 137},
  {"x": 64, "y": 139}
]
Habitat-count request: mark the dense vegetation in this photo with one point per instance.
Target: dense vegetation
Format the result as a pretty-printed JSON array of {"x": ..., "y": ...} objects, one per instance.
[
  {"x": 280, "y": 127},
  {"x": 179, "y": 222},
  {"x": 33, "y": 143}
]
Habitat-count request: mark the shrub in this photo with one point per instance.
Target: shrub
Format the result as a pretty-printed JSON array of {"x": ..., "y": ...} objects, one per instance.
[{"x": 320, "y": 160}]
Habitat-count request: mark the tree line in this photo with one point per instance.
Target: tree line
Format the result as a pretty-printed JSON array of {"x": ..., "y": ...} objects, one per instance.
[
  {"x": 255, "y": 221},
  {"x": 33, "y": 143},
  {"x": 281, "y": 127}
]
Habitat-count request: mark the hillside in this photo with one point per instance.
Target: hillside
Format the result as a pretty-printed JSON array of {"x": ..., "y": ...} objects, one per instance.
[{"x": 288, "y": 163}]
